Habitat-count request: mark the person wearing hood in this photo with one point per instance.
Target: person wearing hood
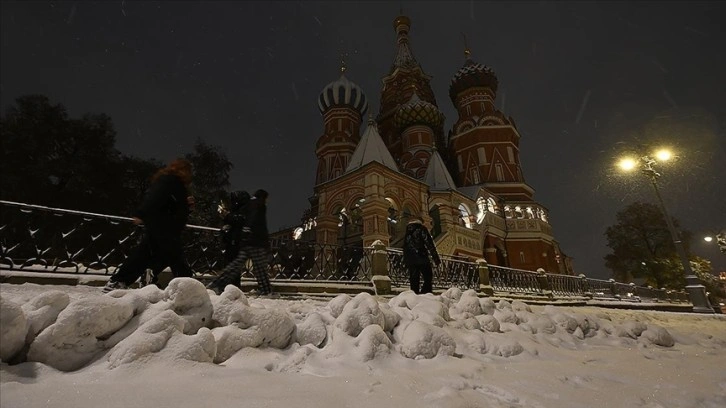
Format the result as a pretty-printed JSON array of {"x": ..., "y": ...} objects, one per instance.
[
  {"x": 418, "y": 251},
  {"x": 254, "y": 245}
]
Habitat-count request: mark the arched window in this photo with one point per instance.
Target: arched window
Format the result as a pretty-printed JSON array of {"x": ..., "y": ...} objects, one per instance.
[
  {"x": 297, "y": 233},
  {"x": 492, "y": 205},
  {"x": 481, "y": 205},
  {"x": 435, "y": 214},
  {"x": 465, "y": 215},
  {"x": 518, "y": 213}
]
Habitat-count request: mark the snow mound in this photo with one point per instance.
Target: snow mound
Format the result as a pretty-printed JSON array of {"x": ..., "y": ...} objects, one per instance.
[
  {"x": 422, "y": 340},
  {"x": 362, "y": 311},
  {"x": 43, "y": 310},
  {"x": 312, "y": 331},
  {"x": 76, "y": 336},
  {"x": 14, "y": 329}
]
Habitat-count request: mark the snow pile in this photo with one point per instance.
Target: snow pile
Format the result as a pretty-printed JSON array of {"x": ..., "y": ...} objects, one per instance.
[
  {"x": 448, "y": 351},
  {"x": 188, "y": 322}
]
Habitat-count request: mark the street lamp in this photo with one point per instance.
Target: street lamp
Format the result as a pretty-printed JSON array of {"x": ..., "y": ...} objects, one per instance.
[
  {"x": 696, "y": 290},
  {"x": 720, "y": 240}
]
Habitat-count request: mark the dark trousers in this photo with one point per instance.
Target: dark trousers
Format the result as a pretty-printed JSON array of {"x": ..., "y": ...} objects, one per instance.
[
  {"x": 415, "y": 272},
  {"x": 154, "y": 253},
  {"x": 230, "y": 253},
  {"x": 232, "y": 273}
]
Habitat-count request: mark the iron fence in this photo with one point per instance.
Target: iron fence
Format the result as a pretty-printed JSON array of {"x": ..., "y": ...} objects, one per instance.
[
  {"x": 514, "y": 280},
  {"x": 453, "y": 272},
  {"x": 43, "y": 239}
]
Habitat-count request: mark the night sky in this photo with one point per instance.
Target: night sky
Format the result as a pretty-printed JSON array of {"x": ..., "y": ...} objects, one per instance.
[{"x": 583, "y": 81}]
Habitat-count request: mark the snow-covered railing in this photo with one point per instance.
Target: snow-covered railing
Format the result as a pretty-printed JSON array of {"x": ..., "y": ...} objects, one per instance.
[
  {"x": 43, "y": 239},
  {"x": 36, "y": 238},
  {"x": 514, "y": 280},
  {"x": 453, "y": 272}
]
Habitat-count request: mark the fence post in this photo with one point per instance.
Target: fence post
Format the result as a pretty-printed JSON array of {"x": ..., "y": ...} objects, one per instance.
[
  {"x": 485, "y": 286},
  {"x": 614, "y": 288},
  {"x": 544, "y": 283},
  {"x": 379, "y": 268},
  {"x": 585, "y": 284}
]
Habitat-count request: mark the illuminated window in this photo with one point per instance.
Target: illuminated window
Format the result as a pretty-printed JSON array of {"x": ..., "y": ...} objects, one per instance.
[
  {"x": 297, "y": 233},
  {"x": 492, "y": 205},
  {"x": 465, "y": 215},
  {"x": 500, "y": 172},
  {"x": 481, "y": 205}
]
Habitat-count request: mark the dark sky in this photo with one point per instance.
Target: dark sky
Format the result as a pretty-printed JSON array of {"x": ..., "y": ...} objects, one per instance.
[{"x": 582, "y": 80}]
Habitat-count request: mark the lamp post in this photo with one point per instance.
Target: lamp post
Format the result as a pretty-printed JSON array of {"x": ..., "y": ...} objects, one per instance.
[
  {"x": 696, "y": 290},
  {"x": 720, "y": 241}
]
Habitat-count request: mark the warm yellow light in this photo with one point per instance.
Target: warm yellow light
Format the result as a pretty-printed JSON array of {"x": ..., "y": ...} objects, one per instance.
[
  {"x": 663, "y": 154},
  {"x": 627, "y": 163},
  {"x": 708, "y": 239}
]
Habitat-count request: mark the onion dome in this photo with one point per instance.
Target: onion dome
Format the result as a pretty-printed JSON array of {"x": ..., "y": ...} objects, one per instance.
[
  {"x": 418, "y": 112},
  {"x": 472, "y": 74},
  {"x": 343, "y": 92}
]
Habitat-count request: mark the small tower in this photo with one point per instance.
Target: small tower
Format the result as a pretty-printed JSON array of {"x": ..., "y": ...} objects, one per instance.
[
  {"x": 342, "y": 104},
  {"x": 416, "y": 121},
  {"x": 484, "y": 142},
  {"x": 404, "y": 77}
]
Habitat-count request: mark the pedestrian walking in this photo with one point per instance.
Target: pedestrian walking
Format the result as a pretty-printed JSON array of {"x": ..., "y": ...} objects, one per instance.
[
  {"x": 255, "y": 246},
  {"x": 418, "y": 250},
  {"x": 235, "y": 218},
  {"x": 163, "y": 213}
]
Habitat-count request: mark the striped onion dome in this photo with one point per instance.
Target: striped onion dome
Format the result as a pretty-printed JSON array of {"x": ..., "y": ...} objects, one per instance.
[
  {"x": 472, "y": 74},
  {"x": 343, "y": 93},
  {"x": 418, "y": 112}
]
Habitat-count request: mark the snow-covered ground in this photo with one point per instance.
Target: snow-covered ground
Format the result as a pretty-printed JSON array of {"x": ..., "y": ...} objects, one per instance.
[{"x": 186, "y": 347}]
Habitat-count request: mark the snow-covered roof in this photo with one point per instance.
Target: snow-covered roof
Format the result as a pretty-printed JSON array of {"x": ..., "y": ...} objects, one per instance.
[
  {"x": 371, "y": 148},
  {"x": 437, "y": 175},
  {"x": 470, "y": 191}
]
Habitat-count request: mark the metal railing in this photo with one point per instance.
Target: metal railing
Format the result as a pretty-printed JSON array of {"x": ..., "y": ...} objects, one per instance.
[
  {"x": 453, "y": 272},
  {"x": 43, "y": 239}
]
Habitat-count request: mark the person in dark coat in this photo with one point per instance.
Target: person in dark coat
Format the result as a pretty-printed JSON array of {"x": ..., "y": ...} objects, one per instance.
[
  {"x": 255, "y": 245},
  {"x": 418, "y": 250},
  {"x": 234, "y": 220},
  {"x": 163, "y": 213}
]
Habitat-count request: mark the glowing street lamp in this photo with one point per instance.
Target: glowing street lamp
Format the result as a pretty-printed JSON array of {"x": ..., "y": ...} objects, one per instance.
[
  {"x": 646, "y": 164},
  {"x": 720, "y": 240}
]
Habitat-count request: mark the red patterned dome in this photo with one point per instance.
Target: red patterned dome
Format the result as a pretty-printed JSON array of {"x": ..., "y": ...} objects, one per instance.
[
  {"x": 418, "y": 112},
  {"x": 472, "y": 74}
]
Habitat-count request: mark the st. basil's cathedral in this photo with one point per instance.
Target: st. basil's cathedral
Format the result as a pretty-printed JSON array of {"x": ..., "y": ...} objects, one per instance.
[{"x": 466, "y": 185}]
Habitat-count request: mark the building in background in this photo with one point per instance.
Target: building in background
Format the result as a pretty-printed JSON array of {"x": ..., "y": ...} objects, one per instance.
[{"x": 467, "y": 185}]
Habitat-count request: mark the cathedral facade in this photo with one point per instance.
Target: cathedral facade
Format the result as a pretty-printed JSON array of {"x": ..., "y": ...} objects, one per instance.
[{"x": 467, "y": 185}]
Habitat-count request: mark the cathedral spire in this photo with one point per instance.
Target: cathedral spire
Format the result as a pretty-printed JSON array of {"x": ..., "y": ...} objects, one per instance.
[{"x": 404, "y": 57}]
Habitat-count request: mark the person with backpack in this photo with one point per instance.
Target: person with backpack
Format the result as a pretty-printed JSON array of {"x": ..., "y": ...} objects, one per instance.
[
  {"x": 164, "y": 213},
  {"x": 254, "y": 245},
  {"x": 418, "y": 250},
  {"x": 234, "y": 220}
]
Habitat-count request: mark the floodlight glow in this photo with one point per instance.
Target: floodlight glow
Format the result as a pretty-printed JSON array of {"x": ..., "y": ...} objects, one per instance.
[
  {"x": 663, "y": 154},
  {"x": 708, "y": 239},
  {"x": 627, "y": 163}
]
